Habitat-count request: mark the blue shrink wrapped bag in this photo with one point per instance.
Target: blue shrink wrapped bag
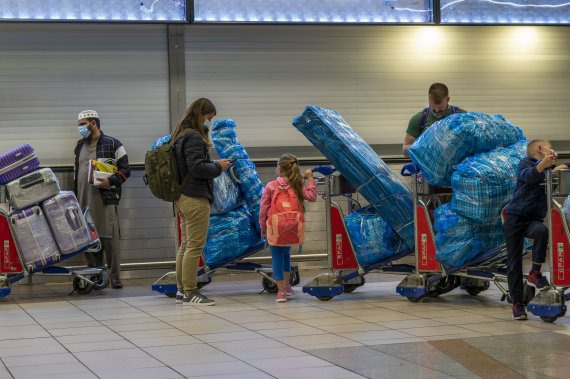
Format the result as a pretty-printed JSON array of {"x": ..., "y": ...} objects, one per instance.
[
  {"x": 459, "y": 239},
  {"x": 484, "y": 183},
  {"x": 373, "y": 239},
  {"x": 229, "y": 236},
  {"x": 227, "y": 195},
  {"x": 355, "y": 159},
  {"x": 566, "y": 208},
  {"x": 161, "y": 141},
  {"x": 446, "y": 143},
  {"x": 228, "y": 147}
]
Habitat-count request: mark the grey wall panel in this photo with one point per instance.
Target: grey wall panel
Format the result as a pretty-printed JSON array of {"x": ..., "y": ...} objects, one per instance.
[
  {"x": 49, "y": 73},
  {"x": 377, "y": 76}
]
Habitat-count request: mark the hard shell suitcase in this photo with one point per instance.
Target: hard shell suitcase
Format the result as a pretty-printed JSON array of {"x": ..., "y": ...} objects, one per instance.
[
  {"x": 38, "y": 249},
  {"x": 66, "y": 221},
  {"x": 33, "y": 188},
  {"x": 17, "y": 163}
]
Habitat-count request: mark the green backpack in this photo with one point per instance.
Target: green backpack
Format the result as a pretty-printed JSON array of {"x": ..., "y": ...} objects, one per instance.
[{"x": 161, "y": 173}]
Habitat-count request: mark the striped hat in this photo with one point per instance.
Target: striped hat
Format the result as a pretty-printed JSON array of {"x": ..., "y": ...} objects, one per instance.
[{"x": 87, "y": 114}]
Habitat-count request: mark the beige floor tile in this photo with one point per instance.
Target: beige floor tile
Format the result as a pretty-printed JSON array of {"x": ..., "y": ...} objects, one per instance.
[
  {"x": 128, "y": 321},
  {"x": 341, "y": 320},
  {"x": 101, "y": 367},
  {"x": 468, "y": 334},
  {"x": 109, "y": 355},
  {"x": 101, "y": 337},
  {"x": 142, "y": 373},
  {"x": 165, "y": 341},
  {"x": 358, "y": 326},
  {"x": 440, "y": 313},
  {"x": 38, "y": 371},
  {"x": 42, "y": 359},
  {"x": 375, "y": 335},
  {"x": 95, "y": 346},
  {"x": 318, "y": 341},
  {"x": 501, "y": 327},
  {"x": 390, "y": 341},
  {"x": 316, "y": 373},
  {"x": 236, "y": 346},
  {"x": 20, "y": 332},
  {"x": 286, "y": 332},
  {"x": 273, "y": 325},
  {"x": 60, "y": 332},
  {"x": 137, "y": 327},
  {"x": 435, "y": 331},
  {"x": 248, "y": 375},
  {"x": 272, "y": 352},
  {"x": 277, "y": 364},
  {"x": 188, "y": 354},
  {"x": 137, "y": 334},
  {"x": 230, "y": 336},
  {"x": 474, "y": 319},
  {"x": 211, "y": 326},
  {"x": 219, "y": 368},
  {"x": 405, "y": 324}
]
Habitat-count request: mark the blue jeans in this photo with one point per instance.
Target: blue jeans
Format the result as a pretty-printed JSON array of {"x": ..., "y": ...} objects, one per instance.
[{"x": 280, "y": 260}]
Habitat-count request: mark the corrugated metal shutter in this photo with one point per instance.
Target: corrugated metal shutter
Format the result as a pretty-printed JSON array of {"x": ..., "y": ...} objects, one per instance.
[
  {"x": 377, "y": 76},
  {"x": 49, "y": 73}
]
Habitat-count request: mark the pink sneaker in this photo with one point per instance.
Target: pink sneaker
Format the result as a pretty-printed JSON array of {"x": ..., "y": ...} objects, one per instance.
[
  {"x": 281, "y": 297},
  {"x": 288, "y": 291}
]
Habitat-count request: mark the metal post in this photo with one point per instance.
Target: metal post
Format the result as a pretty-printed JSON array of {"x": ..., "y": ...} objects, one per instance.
[
  {"x": 176, "y": 73},
  {"x": 436, "y": 8},
  {"x": 328, "y": 220}
]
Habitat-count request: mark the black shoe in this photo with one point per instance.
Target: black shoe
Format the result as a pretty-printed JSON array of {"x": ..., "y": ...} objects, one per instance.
[
  {"x": 518, "y": 312},
  {"x": 116, "y": 283},
  {"x": 536, "y": 280},
  {"x": 196, "y": 298}
]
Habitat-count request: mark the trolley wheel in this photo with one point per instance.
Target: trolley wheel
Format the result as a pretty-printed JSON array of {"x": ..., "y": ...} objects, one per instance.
[
  {"x": 101, "y": 280},
  {"x": 171, "y": 295},
  {"x": 81, "y": 286},
  {"x": 549, "y": 319},
  {"x": 268, "y": 285},
  {"x": 350, "y": 287},
  {"x": 295, "y": 276},
  {"x": 415, "y": 299},
  {"x": 528, "y": 294},
  {"x": 324, "y": 298}
]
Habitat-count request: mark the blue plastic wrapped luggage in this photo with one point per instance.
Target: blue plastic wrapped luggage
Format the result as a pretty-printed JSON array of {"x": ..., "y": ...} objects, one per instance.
[
  {"x": 161, "y": 141},
  {"x": 229, "y": 236},
  {"x": 228, "y": 146},
  {"x": 566, "y": 208},
  {"x": 446, "y": 143},
  {"x": 347, "y": 151},
  {"x": 459, "y": 239},
  {"x": 373, "y": 239},
  {"x": 484, "y": 183},
  {"x": 227, "y": 195}
]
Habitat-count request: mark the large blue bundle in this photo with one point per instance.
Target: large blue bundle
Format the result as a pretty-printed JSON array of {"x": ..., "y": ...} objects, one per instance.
[
  {"x": 446, "y": 143},
  {"x": 459, "y": 239},
  {"x": 484, "y": 183},
  {"x": 161, "y": 141},
  {"x": 347, "y": 151},
  {"x": 229, "y": 236},
  {"x": 373, "y": 239},
  {"x": 566, "y": 208},
  {"x": 227, "y": 195},
  {"x": 229, "y": 147}
]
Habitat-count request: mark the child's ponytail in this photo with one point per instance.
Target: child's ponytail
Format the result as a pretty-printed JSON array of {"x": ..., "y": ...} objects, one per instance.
[{"x": 289, "y": 167}]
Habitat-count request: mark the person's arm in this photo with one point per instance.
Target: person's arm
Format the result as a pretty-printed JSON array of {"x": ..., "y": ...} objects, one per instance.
[
  {"x": 564, "y": 166},
  {"x": 408, "y": 141},
  {"x": 123, "y": 168},
  {"x": 264, "y": 208},
  {"x": 310, "y": 190},
  {"x": 198, "y": 167},
  {"x": 534, "y": 173}
]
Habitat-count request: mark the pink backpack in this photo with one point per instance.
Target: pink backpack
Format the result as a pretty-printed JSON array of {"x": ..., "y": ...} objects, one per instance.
[{"x": 285, "y": 220}]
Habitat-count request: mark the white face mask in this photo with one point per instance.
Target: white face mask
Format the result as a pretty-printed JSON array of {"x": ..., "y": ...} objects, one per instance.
[{"x": 208, "y": 124}]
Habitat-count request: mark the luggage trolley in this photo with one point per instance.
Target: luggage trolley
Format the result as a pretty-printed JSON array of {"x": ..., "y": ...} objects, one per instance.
[
  {"x": 550, "y": 304},
  {"x": 167, "y": 283},
  {"x": 13, "y": 269},
  {"x": 431, "y": 279},
  {"x": 345, "y": 274}
]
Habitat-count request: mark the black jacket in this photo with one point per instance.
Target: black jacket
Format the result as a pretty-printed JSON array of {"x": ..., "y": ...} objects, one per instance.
[
  {"x": 110, "y": 150},
  {"x": 529, "y": 198},
  {"x": 197, "y": 170}
]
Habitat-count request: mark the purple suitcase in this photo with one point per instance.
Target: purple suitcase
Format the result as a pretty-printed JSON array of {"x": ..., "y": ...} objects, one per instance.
[
  {"x": 17, "y": 162},
  {"x": 67, "y": 223},
  {"x": 35, "y": 241}
]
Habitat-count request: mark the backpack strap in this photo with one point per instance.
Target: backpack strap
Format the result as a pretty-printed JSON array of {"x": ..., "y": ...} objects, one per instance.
[{"x": 423, "y": 118}]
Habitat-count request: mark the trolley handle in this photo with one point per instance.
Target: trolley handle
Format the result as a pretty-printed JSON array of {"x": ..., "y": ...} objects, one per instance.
[
  {"x": 325, "y": 170},
  {"x": 410, "y": 169}
]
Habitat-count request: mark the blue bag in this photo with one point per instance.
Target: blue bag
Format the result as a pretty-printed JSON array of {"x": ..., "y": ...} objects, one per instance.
[
  {"x": 227, "y": 195},
  {"x": 447, "y": 142},
  {"x": 161, "y": 141},
  {"x": 484, "y": 183},
  {"x": 362, "y": 167}
]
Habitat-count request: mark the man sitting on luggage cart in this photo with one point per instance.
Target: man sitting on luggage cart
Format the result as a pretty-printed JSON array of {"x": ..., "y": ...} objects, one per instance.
[
  {"x": 525, "y": 218},
  {"x": 98, "y": 186}
]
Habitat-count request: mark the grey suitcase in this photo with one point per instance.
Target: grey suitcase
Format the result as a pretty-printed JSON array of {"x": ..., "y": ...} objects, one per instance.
[
  {"x": 37, "y": 247},
  {"x": 67, "y": 223},
  {"x": 33, "y": 188}
]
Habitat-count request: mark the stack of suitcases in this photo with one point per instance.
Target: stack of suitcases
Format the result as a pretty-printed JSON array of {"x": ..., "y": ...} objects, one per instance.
[{"x": 46, "y": 223}]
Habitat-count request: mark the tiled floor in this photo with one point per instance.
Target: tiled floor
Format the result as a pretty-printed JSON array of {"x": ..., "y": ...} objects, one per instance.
[{"x": 373, "y": 332}]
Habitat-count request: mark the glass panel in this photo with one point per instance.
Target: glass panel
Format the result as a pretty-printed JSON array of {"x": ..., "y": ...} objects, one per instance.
[
  {"x": 313, "y": 11},
  {"x": 93, "y": 10},
  {"x": 505, "y": 11}
]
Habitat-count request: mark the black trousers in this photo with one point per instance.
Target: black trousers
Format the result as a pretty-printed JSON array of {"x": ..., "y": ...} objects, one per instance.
[{"x": 516, "y": 228}]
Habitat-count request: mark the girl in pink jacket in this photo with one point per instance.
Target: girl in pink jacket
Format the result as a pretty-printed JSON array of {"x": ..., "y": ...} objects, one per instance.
[{"x": 281, "y": 218}]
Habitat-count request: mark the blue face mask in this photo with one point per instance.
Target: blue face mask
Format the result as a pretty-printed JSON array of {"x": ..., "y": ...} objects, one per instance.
[
  {"x": 208, "y": 124},
  {"x": 84, "y": 131}
]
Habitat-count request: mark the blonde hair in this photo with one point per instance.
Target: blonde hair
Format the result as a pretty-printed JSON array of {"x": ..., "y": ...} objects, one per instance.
[
  {"x": 533, "y": 146},
  {"x": 289, "y": 168},
  {"x": 191, "y": 119}
]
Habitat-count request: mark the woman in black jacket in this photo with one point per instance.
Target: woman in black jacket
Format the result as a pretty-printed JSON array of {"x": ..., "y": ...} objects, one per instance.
[{"x": 197, "y": 172}]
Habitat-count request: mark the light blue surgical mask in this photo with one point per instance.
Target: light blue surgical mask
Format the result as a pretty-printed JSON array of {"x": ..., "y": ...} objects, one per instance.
[
  {"x": 84, "y": 131},
  {"x": 208, "y": 124}
]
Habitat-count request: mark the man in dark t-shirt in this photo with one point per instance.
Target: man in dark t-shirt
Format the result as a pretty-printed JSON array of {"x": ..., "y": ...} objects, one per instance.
[{"x": 439, "y": 108}]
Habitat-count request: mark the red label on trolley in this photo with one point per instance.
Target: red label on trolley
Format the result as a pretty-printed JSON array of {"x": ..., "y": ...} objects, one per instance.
[
  {"x": 9, "y": 260},
  {"x": 560, "y": 250},
  {"x": 341, "y": 249},
  {"x": 425, "y": 245}
]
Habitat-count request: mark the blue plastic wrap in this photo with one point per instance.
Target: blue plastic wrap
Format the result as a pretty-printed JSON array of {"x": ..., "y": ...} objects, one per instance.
[
  {"x": 347, "y": 151},
  {"x": 161, "y": 141},
  {"x": 227, "y": 195},
  {"x": 228, "y": 147},
  {"x": 446, "y": 143},
  {"x": 566, "y": 209},
  {"x": 484, "y": 183},
  {"x": 373, "y": 239},
  {"x": 229, "y": 236},
  {"x": 459, "y": 239}
]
